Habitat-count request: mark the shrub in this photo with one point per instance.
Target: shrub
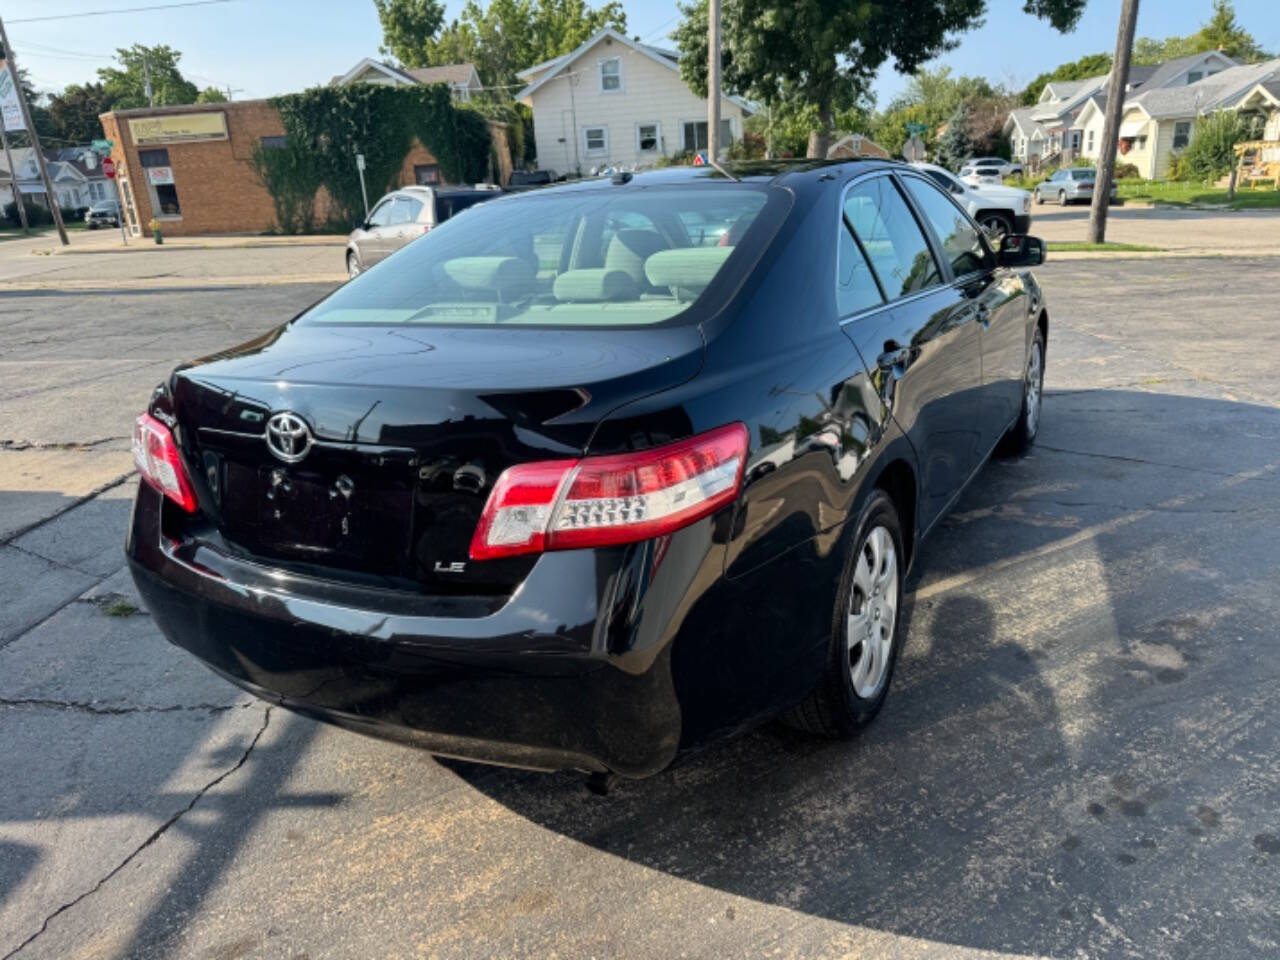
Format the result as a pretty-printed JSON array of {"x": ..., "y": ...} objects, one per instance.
[
  {"x": 1211, "y": 153},
  {"x": 1127, "y": 171},
  {"x": 37, "y": 215}
]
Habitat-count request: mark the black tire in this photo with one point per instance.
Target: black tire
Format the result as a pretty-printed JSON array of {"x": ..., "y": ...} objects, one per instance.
[
  {"x": 1023, "y": 433},
  {"x": 834, "y": 709}
]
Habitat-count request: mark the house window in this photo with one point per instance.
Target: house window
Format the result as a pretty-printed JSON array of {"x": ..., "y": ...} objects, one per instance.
[
  {"x": 647, "y": 139},
  {"x": 425, "y": 173},
  {"x": 1089, "y": 143},
  {"x": 1195, "y": 76},
  {"x": 695, "y": 134},
  {"x": 611, "y": 74},
  {"x": 153, "y": 158},
  {"x": 273, "y": 143},
  {"x": 596, "y": 140},
  {"x": 1181, "y": 134}
]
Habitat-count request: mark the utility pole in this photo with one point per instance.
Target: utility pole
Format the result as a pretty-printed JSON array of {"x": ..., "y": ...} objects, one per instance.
[
  {"x": 231, "y": 93},
  {"x": 1111, "y": 130},
  {"x": 13, "y": 180},
  {"x": 713, "y": 81},
  {"x": 50, "y": 196}
]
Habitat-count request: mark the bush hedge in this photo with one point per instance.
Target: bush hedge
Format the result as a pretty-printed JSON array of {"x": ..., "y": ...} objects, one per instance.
[{"x": 39, "y": 215}]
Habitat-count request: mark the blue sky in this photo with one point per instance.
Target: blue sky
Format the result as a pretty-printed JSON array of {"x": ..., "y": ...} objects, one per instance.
[{"x": 265, "y": 47}]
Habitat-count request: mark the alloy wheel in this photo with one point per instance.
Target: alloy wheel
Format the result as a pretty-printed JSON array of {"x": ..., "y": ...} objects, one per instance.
[
  {"x": 1033, "y": 388},
  {"x": 1062, "y": 198},
  {"x": 873, "y": 613},
  {"x": 995, "y": 227},
  {"x": 353, "y": 267}
]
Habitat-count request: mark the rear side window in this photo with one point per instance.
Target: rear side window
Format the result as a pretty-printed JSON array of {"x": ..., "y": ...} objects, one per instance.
[
  {"x": 856, "y": 288},
  {"x": 961, "y": 243},
  {"x": 580, "y": 257},
  {"x": 888, "y": 231}
]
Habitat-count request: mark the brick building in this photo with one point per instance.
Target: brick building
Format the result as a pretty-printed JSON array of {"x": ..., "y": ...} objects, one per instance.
[{"x": 191, "y": 167}]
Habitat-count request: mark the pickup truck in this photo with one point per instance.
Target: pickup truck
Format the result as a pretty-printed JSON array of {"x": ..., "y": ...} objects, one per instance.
[{"x": 998, "y": 210}]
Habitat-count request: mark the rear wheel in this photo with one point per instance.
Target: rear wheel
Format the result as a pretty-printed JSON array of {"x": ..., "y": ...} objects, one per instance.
[
  {"x": 864, "y": 632},
  {"x": 1023, "y": 433},
  {"x": 353, "y": 266},
  {"x": 997, "y": 225},
  {"x": 1039, "y": 198},
  {"x": 1062, "y": 198}
]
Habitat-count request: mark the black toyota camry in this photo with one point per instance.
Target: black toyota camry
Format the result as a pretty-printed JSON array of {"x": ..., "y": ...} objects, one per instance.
[{"x": 592, "y": 474}]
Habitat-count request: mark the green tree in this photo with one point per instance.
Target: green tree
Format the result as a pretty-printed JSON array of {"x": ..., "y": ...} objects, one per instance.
[
  {"x": 126, "y": 85},
  {"x": 408, "y": 27},
  {"x": 825, "y": 52},
  {"x": 500, "y": 39},
  {"x": 1090, "y": 65},
  {"x": 1221, "y": 32},
  {"x": 955, "y": 146},
  {"x": 1211, "y": 153},
  {"x": 211, "y": 95},
  {"x": 74, "y": 112}
]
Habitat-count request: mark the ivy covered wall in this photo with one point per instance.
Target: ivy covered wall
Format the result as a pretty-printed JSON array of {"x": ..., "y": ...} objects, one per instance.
[{"x": 327, "y": 126}]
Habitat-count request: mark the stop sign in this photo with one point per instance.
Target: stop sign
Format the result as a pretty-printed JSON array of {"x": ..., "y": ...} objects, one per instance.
[{"x": 109, "y": 168}]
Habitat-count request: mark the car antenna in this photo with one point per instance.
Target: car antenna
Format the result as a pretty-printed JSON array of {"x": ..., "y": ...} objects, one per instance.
[{"x": 721, "y": 170}]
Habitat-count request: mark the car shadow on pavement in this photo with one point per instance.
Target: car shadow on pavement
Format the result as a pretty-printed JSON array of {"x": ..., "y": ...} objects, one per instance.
[{"x": 1053, "y": 768}]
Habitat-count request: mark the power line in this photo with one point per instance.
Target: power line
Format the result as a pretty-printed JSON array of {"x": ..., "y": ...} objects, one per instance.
[{"x": 107, "y": 13}]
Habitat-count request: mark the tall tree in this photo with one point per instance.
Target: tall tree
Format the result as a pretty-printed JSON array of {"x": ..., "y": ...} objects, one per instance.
[
  {"x": 126, "y": 85},
  {"x": 500, "y": 39},
  {"x": 956, "y": 145},
  {"x": 408, "y": 27},
  {"x": 211, "y": 95},
  {"x": 1221, "y": 32},
  {"x": 74, "y": 112},
  {"x": 827, "y": 51}
]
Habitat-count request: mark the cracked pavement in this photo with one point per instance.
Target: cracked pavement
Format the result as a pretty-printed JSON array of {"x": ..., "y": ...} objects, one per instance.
[{"x": 1078, "y": 758}]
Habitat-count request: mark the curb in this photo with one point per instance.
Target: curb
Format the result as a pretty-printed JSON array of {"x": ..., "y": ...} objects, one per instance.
[
  {"x": 143, "y": 245},
  {"x": 1242, "y": 254}
]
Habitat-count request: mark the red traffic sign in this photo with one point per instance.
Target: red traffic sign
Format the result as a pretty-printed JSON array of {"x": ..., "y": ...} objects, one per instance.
[{"x": 109, "y": 168}]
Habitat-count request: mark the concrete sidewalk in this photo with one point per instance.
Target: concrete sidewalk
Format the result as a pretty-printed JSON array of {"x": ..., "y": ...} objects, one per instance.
[{"x": 1175, "y": 232}]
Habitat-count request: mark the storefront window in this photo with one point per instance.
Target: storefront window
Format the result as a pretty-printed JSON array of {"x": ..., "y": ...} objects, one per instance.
[{"x": 161, "y": 186}]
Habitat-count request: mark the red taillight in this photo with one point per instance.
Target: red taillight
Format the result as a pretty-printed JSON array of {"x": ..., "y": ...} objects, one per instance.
[
  {"x": 157, "y": 459},
  {"x": 598, "y": 501}
]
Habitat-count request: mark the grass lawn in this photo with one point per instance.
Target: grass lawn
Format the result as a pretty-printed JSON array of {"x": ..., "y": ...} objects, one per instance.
[
  {"x": 1076, "y": 246},
  {"x": 1167, "y": 191}
]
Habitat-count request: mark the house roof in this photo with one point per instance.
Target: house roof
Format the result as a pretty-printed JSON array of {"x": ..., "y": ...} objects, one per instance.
[
  {"x": 453, "y": 73},
  {"x": 1222, "y": 90},
  {"x": 551, "y": 68},
  {"x": 1140, "y": 73},
  {"x": 1022, "y": 119},
  {"x": 1169, "y": 70}
]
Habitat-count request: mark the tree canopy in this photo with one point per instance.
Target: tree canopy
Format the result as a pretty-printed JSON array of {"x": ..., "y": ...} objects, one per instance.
[
  {"x": 1090, "y": 65},
  {"x": 500, "y": 39},
  {"x": 1221, "y": 32},
  {"x": 74, "y": 112},
  {"x": 826, "y": 52},
  {"x": 126, "y": 85}
]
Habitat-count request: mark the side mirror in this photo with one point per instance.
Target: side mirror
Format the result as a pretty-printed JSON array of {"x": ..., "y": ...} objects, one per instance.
[{"x": 1017, "y": 250}]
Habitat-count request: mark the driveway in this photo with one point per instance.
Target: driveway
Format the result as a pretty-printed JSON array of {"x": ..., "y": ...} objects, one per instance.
[
  {"x": 1187, "y": 231},
  {"x": 1077, "y": 759}
]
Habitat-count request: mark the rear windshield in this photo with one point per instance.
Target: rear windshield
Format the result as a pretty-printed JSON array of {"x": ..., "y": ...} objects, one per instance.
[
  {"x": 1082, "y": 175},
  {"x": 598, "y": 257}
]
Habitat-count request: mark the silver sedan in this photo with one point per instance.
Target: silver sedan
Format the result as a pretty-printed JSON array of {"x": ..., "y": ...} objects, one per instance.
[{"x": 1069, "y": 185}]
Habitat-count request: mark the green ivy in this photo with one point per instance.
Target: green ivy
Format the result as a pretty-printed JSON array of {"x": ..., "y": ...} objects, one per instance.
[
  {"x": 332, "y": 124},
  {"x": 290, "y": 175}
]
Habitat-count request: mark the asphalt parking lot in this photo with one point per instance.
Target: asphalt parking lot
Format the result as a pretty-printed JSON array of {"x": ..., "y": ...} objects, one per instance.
[{"x": 1078, "y": 757}]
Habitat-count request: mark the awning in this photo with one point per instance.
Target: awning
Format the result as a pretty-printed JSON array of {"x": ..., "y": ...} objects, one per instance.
[{"x": 1132, "y": 128}]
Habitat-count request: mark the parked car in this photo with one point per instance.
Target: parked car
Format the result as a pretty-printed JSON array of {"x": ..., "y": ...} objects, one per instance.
[
  {"x": 104, "y": 213},
  {"x": 558, "y": 486},
  {"x": 1070, "y": 185},
  {"x": 1003, "y": 168},
  {"x": 404, "y": 215},
  {"x": 527, "y": 179},
  {"x": 999, "y": 210}
]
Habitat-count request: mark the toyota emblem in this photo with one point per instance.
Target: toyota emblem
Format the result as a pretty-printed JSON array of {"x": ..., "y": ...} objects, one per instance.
[{"x": 288, "y": 437}]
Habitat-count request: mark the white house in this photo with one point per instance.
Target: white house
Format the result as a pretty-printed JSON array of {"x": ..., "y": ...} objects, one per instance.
[
  {"x": 1066, "y": 122},
  {"x": 616, "y": 102},
  {"x": 75, "y": 172},
  {"x": 462, "y": 78}
]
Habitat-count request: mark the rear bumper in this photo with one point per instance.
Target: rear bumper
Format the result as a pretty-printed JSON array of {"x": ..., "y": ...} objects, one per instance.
[{"x": 563, "y": 675}]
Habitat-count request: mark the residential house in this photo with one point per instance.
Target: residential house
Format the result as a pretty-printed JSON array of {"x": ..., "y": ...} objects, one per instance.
[
  {"x": 1158, "y": 123},
  {"x": 617, "y": 102},
  {"x": 1066, "y": 122},
  {"x": 462, "y": 78},
  {"x": 75, "y": 173}
]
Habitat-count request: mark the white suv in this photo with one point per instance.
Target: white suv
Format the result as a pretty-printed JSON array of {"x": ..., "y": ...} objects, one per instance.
[{"x": 997, "y": 209}]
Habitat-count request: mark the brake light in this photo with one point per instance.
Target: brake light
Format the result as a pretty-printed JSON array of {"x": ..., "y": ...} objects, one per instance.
[
  {"x": 156, "y": 455},
  {"x": 622, "y": 498}
]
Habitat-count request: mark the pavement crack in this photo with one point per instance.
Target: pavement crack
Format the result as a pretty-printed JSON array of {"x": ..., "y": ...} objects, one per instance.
[
  {"x": 75, "y": 502},
  {"x": 103, "y": 710},
  {"x": 57, "y": 445},
  {"x": 152, "y": 838}
]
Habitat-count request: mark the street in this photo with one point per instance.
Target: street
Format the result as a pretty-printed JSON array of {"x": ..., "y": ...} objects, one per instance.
[{"x": 1077, "y": 758}]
